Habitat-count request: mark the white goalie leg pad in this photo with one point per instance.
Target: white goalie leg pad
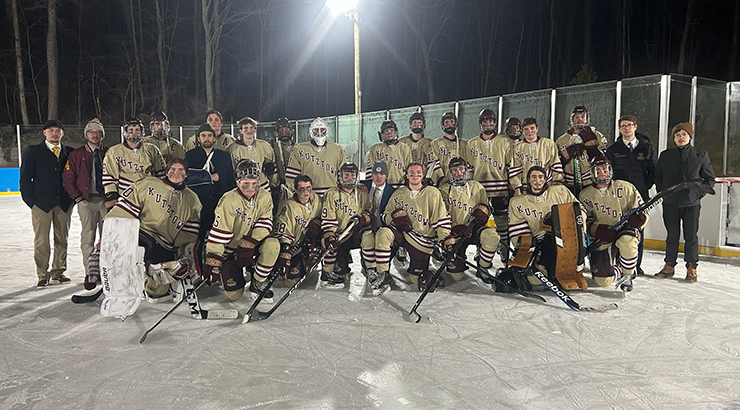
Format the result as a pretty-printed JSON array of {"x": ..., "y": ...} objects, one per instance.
[{"x": 122, "y": 269}]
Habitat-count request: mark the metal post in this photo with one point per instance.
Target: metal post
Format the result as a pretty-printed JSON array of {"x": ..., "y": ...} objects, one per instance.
[
  {"x": 181, "y": 136},
  {"x": 618, "y": 109},
  {"x": 692, "y": 113},
  {"x": 553, "y": 97},
  {"x": 665, "y": 99},
  {"x": 18, "y": 137},
  {"x": 358, "y": 90},
  {"x": 500, "y": 113},
  {"x": 727, "y": 127}
]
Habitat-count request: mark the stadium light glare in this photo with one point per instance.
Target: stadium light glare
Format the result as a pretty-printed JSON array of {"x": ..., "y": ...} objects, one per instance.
[{"x": 341, "y": 6}]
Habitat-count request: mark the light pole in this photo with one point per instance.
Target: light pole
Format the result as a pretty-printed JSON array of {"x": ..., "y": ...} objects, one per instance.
[{"x": 349, "y": 9}]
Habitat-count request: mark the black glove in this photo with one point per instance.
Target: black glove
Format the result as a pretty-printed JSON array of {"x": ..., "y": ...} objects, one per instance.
[
  {"x": 603, "y": 233},
  {"x": 330, "y": 241},
  {"x": 462, "y": 231},
  {"x": 637, "y": 220},
  {"x": 424, "y": 280},
  {"x": 212, "y": 268},
  {"x": 245, "y": 251},
  {"x": 480, "y": 213},
  {"x": 284, "y": 258},
  {"x": 401, "y": 220},
  {"x": 268, "y": 168}
]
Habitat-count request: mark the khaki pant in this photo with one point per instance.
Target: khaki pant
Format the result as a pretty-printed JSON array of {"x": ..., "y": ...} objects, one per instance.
[
  {"x": 91, "y": 218},
  {"x": 42, "y": 222}
]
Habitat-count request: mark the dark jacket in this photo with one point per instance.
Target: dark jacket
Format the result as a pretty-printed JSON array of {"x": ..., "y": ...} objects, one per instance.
[
  {"x": 76, "y": 175},
  {"x": 41, "y": 177},
  {"x": 209, "y": 194},
  {"x": 637, "y": 167},
  {"x": 687, "y": 164}
]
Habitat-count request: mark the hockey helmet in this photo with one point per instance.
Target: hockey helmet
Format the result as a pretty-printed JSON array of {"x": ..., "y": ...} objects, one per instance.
[
  {"x": 318, "y": 131},
  {"x": 135, "y": 138},
  {"x": 456, "y": 176},
  {"x": 512, "y": 132},
  {"x": 449, "y": 116},
  {"x": 487, "y": 114},
  {"x": 248, "y": 169},
  {"x": 578, "y": 113},
  {"x": 161, "y": 117},
  {"x": 388, "y": 125},
  {"x": 351, "y": 168},
  {"x": 283, "y": 130},
  {"x": 601, "y": 170}
]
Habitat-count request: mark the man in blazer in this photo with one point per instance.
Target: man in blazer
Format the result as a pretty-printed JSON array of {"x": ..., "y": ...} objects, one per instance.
[
  {"x": 380, "y": 192},
  {"x": 41, "y": 189}
]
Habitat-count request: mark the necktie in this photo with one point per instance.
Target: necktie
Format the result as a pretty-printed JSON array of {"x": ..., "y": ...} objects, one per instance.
[
  {"x": 98, "y": 164},
  {"x": 56, "y": 151},
  {"x": 631, "y": 147}
]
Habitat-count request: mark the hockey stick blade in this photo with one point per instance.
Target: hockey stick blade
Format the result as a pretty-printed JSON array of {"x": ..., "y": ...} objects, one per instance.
[
  {"x": 87, "y": 298},
  {"x": 220, "y": 314},
  {"x": 565, "y": 297}
]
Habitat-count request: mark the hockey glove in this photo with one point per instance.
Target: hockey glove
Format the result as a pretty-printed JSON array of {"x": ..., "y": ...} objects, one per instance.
[
  {"x": 572, "y": 151},
  {"x": 637, "y": 220},
  {"x": 449, "y": 242},
  {"x": 480, "y": 213},
  {"x": 313, "y": 232},
  {"x": 427, "y": 182},
  {"x": 110, "y": 200},
  {"x": 212, "y": 268},
  {"x": 362, "y": 219},
  {"x": 245, "y": 251},
  {"x": 500, "y": 205},
  {"x": 462, "y": 231},
  {"x": 603, "y": 233},
  {"x": 330, "y": 241},
  {"x": 588, "y": 137},
  {"x": 546, "y": 223},
  {"x": 268, "y": 168},
  {"x": 284, "y": 258},
  {"x": 424, "y": 280},
  {"x": 401, "y": 220}
]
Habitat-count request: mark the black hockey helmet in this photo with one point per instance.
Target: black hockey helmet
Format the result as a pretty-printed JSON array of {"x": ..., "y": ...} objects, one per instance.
[
  {"x": 247, "y": 168},
  {"x": 598, "y": 162},
  {"x": 455, "y": 163},
  {"x": 348, "y": 167}
]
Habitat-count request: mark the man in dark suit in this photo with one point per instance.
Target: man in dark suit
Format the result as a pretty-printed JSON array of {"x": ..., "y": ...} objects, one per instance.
[
  {"x": 211, "y": 175},
  {"x": 633, "y": 160},
  {"x": 380, "y": 192},
  {"x": 41, "y": 189}
]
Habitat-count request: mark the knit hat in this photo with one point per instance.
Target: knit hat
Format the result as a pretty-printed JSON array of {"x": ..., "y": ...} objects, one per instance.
[
  {"x": 205, "y": 127},
  {"x": 94, "y": 124},
  {"x": 53, "y": 123},
  {"x": 686, "y": 126},
  {"x": 379, "y": 167}
]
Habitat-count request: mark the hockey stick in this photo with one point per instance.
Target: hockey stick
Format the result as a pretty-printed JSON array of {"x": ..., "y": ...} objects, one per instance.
[
  {"x": 505, "y": 285},
  {"x": 264, "y": 315},
  {"x": 169, "y": 312},
  {"x": 451, "y": 254},
  {"x": 92, "y": 297},
  {"x": 565, "y": 297},
  {"x": 197, "y": 312},
  {"x": 643, "y": 209}
]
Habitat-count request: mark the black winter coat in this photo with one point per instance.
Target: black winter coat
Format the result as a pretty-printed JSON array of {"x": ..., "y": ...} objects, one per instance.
[
  {"x": 686, "y": 164},
  {"x": 41, "y": 177},
  {"x": 209, "y": 194},
  {"x": 637, "y": 167}
]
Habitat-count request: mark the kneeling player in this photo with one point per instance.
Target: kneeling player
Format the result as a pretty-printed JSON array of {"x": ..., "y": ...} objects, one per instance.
[
  {"x": 343, "y": 205},
  {"x": 467, "y": 200},
  {"x": 243, "y": 219},
  {"x": 530, "y": 223},
  {"x": 298, "y": 228},
  {"x": 414, "y": 207},
  {"x": 606, "y": 202}
]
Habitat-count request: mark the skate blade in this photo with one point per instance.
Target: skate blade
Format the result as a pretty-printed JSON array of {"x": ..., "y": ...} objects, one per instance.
[
  {"x": 254, "y": 296},
  {"x": 384, "y": 289},
  {"x": 328, "y": 285}
]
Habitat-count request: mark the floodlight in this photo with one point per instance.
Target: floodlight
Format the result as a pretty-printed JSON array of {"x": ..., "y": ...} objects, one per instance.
[{"x": 341, "y": 6}]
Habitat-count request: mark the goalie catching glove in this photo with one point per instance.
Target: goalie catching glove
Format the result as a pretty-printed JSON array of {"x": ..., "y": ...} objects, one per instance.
[{"x": 167, "y": 272}]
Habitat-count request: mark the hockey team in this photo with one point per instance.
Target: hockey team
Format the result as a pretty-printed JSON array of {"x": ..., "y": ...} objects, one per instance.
[{"x": 235, "y": 212}]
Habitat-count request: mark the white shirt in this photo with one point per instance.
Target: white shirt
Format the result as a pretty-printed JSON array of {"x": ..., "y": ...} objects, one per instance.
[{"x": 632, "y": 143}]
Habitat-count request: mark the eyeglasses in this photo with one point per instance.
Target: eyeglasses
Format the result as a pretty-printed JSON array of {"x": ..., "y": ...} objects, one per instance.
[{"x": 626, "y": 125}]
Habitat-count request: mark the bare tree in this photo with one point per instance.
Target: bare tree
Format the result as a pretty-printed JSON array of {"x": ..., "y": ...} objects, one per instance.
[
  {"x": 735, "y": 42},
  {"x": 685, "y": 36},
  {"x": 19, "y": 62},
  {"x": 52, "y": 61}
]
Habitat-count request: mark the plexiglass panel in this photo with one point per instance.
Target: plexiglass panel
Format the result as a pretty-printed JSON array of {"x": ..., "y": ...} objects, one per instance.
[
  {"x": 709, "y": 127},
  {"x": 530, "y": 104},
  {"x": 641, "y": 98},
  {"x": 469, "y": 111},
  {"x": 599, "y": 99}
]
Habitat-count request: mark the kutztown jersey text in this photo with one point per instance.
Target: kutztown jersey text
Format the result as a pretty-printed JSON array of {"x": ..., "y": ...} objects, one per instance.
[
  {"x": 169, "y": 215},
  {"x": 426, "y": 210},
  {"x": 461, "y": 200},
  {"x": 443, "y": 150},
  {"x": 321, "y": 165},
  {"x": 490, "y": 160},
  {"x": 526, "y": 211},
  {"x": 236, "y": 217},
  {"x": 123, "y": 166},
  {"x": 608, "y": 205},
  {"x": 542, "y": 152},
  {"x": 338, "y": 207}
]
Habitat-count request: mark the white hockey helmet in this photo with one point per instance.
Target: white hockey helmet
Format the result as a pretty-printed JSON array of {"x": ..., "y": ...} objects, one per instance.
[{"x": 319, "y": 130}]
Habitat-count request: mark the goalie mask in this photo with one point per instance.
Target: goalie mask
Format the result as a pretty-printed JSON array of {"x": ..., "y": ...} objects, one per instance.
[
  {"x": 388, "y": 132},
  {"x": 487, "y": 115},
  {"x": 319, "y": 130},
  {"x": 601, "y": 170},
  {"x": 458, "y": 172},
  {"x": 579, "y": 118},
  {"x": 347, "y": 175},
  {"x": 419, "y": 128},
  {"x": 248, "y": 169},
  {"x": 513, "y": 128},
  {"x": 283, "y": 130},
  {"x": 159, "y": 125},
  {"x": 449, "y": 129},
  {"x": 134, "y": 137}
]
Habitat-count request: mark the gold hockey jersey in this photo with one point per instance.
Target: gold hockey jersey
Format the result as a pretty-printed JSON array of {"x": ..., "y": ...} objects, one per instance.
[
  {"x": 608, "y": 205},
  {"x": 421, "y": 151},
  {"x": 222, "y": 141},
  {"x": 443, "y": 150},
  {"x": 542, "y": 152},
  {"x": 169, "y": 148},
  {"x": 338, "y": 207},
  {"x": 321, "y": 165},
  {"x": 490, "y": 160},
  {"x": 236, "y": 217},
  {"x": 397, "y": 157},
  {"x": 122, "y": 166},
  {"x": 526, "y": 210},
  {"x": 461, "y": 200},
  {"x": 170, "y": 216},
  {"x": 259, "y": 152},
  {"x": 293, "y": 218},
  {"x": 426, "y": 210},
  {"x": 584, "y": 162}
]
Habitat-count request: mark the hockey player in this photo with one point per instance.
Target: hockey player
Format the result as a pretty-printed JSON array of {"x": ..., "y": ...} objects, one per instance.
[
  {"x": 490, "y": 157},
  {"x": 533, "y": 150},
  {"x": 318, "y": 158},
  {"x": 446, "y": 147},
  {"x": 421, "y": 146},
  {"x": 282, "y": 145},
  {"x": 247, "y": 146},
  {"x": 129, "y": 162},
  {"x": 528, "y": 214},
  {"x": 169, "y": 216},
  {"x": 215, "y": 120},
  {"x": 396, "y": 156},
  {"x": 581, "y": 142},
  {"x": 242, "y": 223},
  {"x": 513, "y": 129},
  {"x": 607, "y": 201},
  {"x": 298, "y": 229},
  {"x": 466, "y": 200},
  {"x": 169, "y": 147},
  {"x": 415, "y": 207},
  {"x": 342, "y": 205}
]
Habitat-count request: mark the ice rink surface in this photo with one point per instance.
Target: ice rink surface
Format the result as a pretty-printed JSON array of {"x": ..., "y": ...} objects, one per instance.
[{"x": 669, "y": 345}]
